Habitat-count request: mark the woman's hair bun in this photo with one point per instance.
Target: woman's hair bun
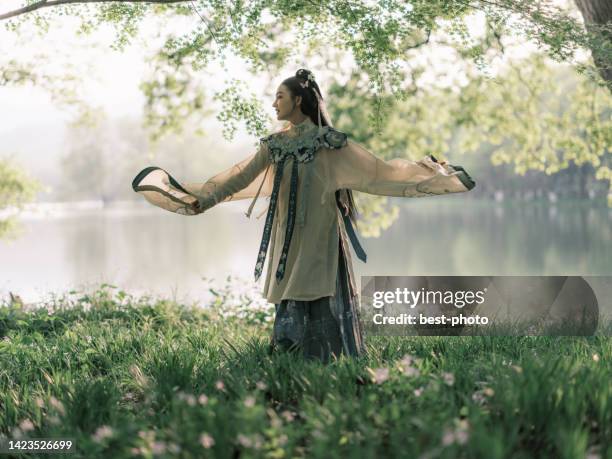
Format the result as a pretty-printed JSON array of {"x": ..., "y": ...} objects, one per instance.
[{"x": 303, "y": 73}]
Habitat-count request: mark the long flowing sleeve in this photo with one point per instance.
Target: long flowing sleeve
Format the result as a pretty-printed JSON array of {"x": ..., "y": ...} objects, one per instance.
[
  {"x": 249, "y": 178},
  {"x": 354, "y": 167},
  {"x": 241, "y": 181}
]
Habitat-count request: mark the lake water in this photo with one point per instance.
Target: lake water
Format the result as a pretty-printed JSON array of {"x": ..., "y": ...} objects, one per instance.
[{"x": 143, "y": 249}]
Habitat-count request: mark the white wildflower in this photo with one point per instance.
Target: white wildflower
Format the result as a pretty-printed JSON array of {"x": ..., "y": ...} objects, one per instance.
[
  {"x": 158, "y": 447},
  {"x": 379, "y": 375},
  {"x": 102, "y": 433},
  {"x": 55, "y": 403},
  {"x": 26, "y": 425},
  {"x": 249, "y": 402},
  {"x": 448, "y": 438},
  {"x": 244, "y": 440},
  {"x": 449, "y": 378},
  {"x": 261, "y": 385},
  {"x": 206, "y": 440},
  {"x": 288, "y": 415}
]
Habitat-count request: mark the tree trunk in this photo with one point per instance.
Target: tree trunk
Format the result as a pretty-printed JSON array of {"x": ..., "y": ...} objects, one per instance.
[{"x": 599, "y": 12}]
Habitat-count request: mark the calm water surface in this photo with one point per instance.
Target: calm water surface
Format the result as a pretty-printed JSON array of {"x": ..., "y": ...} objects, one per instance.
[{"x": 143, "y": 249}]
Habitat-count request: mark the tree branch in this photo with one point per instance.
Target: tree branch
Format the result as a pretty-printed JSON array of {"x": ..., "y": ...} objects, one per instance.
[{"x": 46, "y": 4}]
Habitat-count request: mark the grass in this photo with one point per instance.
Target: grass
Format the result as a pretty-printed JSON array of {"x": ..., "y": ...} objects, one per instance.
[{"x": 126, "y": 377}]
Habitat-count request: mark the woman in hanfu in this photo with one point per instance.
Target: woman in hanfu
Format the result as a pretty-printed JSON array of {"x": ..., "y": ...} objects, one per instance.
[{"x": 308, "y": 171}]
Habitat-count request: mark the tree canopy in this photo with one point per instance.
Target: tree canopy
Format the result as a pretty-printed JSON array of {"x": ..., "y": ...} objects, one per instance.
[{"x": 380, "y": 37}]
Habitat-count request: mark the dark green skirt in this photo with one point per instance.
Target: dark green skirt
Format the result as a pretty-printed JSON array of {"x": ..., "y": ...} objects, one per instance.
[{"x": 324, "y": 328}]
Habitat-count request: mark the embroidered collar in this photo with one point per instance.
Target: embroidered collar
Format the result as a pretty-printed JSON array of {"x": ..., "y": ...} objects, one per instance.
[{"x": 303, "y": 147}]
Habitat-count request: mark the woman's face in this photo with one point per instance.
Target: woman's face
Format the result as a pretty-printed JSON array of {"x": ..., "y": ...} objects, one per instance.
[{"x": 283, "y": 104}]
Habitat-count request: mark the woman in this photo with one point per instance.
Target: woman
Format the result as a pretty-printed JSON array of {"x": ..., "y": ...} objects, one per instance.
[{"x": 308, "y": 170}]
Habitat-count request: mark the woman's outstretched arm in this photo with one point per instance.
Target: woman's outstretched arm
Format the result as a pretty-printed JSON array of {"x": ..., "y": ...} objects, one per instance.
[
  {"x": 241, "y": 181},
  {"x": 354, "y": 167}
]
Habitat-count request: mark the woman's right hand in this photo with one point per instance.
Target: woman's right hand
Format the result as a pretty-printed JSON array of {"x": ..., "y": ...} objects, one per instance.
[{"x": 195, "y": 205}]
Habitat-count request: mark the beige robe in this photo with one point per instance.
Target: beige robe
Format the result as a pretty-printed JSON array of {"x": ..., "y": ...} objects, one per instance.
[{"x": 313, "y": 254}]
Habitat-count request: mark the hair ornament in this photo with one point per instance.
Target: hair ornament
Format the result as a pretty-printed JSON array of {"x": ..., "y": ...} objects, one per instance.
[{"x": 309, "y": 76}]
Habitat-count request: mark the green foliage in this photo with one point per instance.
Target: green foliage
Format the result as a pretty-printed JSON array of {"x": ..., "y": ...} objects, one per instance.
[
  {"x": 536, "y": 116},
  {"x": 125, "y": 17},
  {"x": 15, "y": 73},
  {"x": 375, "y": 214},
  {"x": 239, "y": 106},
  {"x": 171, "y": 98},
  {"x": 378, "y": 35},
  {"x": 128, "y": 377},
  {"x": 16, "y": 189}
]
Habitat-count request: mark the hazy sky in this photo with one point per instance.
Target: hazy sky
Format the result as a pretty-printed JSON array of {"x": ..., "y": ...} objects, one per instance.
[
  {"x": 31, "y": 123},
  {"x": 110, "y": 78}
]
